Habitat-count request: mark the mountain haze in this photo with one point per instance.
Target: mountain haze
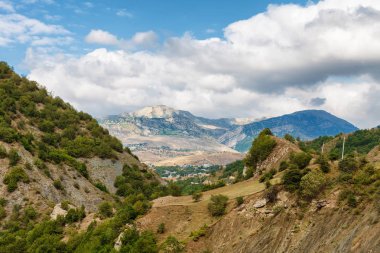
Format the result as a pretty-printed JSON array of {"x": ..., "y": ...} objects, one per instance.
[{"x": 161, "y": 126}]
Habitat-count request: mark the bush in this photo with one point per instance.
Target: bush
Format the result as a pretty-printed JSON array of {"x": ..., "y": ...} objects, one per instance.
[
  {"x": 161, "y": 228},
  {"x": 75, "y": 215},
  {"x": 312, "y": 184},
  {"x": 218, "y": 205},
  {"x": 348, "y": 164},
  {"x": 105, "y": 210},
  {"x": 271, "y": 193},
  {"x": 301, "y": 159},
  {"x": 267, "y": 176},
  {"x": 101, "y": 186},
  {"x": 239, "y": 201},
  {"x": 292, "y": 179},
  {"x": 283, "y": 166},
  {"x": 172, "y": 245},
  {"x": 13, "y": 176},
  {"x": 290, "y": 138},
  {"x": 13, "y": 157},
  {"x": 195, "y": 235},
  {"x": 197, "y": 196},
  {"x": 3, "y": 152},
  {"x": 58, "y": 185},
  {"x": 324, "y": 164}
]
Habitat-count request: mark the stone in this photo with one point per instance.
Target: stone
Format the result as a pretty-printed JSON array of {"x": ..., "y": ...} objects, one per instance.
[{"x": 260, "y": 203}]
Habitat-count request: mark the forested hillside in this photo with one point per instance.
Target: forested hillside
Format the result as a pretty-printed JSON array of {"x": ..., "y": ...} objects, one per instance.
[{"x": 66, "y": 184}]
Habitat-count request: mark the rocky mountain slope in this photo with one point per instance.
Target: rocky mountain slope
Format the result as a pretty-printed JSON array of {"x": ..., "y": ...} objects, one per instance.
[
  {"x": 306, "y": 125},
  {"x": 164, "y": 128},
  {"x": 303, "y": 208},
  {"x": 50, "y": 153}
]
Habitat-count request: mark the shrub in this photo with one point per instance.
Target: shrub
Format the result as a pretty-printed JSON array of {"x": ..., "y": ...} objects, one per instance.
[
  {"x": 3, "y": 152},
  {"x": 172, "y": 245},
  {"x": 348, "y": 164},
  {"x": 271, "y": 193},
  {"x": 58, "y": 185},
  {"x": 324, "y": 164},
  {"x": 195, "y": 235},
  {"x": 292, "y": 179},
  {"x": 301, "y": 159},
  {"x": 161, "y": 228},
  {"x": 75, "y": 215},
  {"x": 13, "y": 176},
  {"x": 105, "y": 210},
  {"x": 290, "y": 138},
  {"x": 218, "y": 205},
  {"x": 13, "y": 157},
  {"x": 239, "y": 200},
  {"x": 312, "y": 184},
  {"x": 283, "y": 165},
  {"x": 101, "y": 186},
  {"x": 268, "y": 175},
  {"x": 197, "y": 196}
]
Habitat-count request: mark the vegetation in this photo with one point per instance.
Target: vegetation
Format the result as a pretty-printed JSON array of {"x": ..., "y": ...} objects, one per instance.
[
  {"x": 172, "y": 245},
  {"x": 14, "y": 176},
  {"x": 161, "y": 228},
  {"x": 197, "y": 196},
  {"x": 239, "y": 201},
  {"x": 195, "y": 235},
  {"x": 312, "y": 184},
  {"x": 261, "y": 148},
  {"x": 218, "y": 205}
]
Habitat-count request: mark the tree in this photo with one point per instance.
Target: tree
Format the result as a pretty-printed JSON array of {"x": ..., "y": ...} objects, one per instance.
[
  {"x": 290, "y": 138},
  {"x": 218, "y": 205},
  {"x": 261, "y": 148}
]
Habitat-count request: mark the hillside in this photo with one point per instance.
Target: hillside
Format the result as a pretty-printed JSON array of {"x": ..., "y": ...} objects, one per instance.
[
  {"x": 161, "y": 132},
  {"x": 298, "y": 203},
  {"x": 60, "y": 172}
]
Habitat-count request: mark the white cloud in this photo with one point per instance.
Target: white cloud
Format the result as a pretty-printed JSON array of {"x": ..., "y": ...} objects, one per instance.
[
  {"x": 101, "y": 37},
  {"x": 6, "y": 6},
  {"x": 124, "y": 13},
  {"x": 16, "y": 28},
  {"x": 139, "y": 40},
  {"x": 273, "y": 63}
]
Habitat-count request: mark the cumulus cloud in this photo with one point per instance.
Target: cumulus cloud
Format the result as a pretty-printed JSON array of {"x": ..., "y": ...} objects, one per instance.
[
  {"x": 101, "y": 37},
  {"x": 139, "y": 40},
  {"x": 291, "y": 57},
  {"x": 16, "y": 28}
]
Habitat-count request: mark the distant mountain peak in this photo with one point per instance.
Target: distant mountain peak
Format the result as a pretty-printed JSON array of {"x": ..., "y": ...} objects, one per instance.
[{"x": 156, "y": 111}]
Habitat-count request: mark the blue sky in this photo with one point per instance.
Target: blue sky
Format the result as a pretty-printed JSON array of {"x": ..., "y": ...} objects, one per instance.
[
  {"x": 167, "y": 18},
  {"x": 214, "y": 58}
]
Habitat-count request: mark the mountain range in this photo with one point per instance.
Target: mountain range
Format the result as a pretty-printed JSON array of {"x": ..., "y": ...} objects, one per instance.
[{"x": 181, "y": 133}]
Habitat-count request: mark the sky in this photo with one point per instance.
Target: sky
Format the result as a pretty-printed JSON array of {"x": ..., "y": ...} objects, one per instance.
[{"x": 214, "y": 58}]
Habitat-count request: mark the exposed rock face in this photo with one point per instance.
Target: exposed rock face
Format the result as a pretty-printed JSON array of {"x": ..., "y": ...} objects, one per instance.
[{"x": 260, "y": 203}]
